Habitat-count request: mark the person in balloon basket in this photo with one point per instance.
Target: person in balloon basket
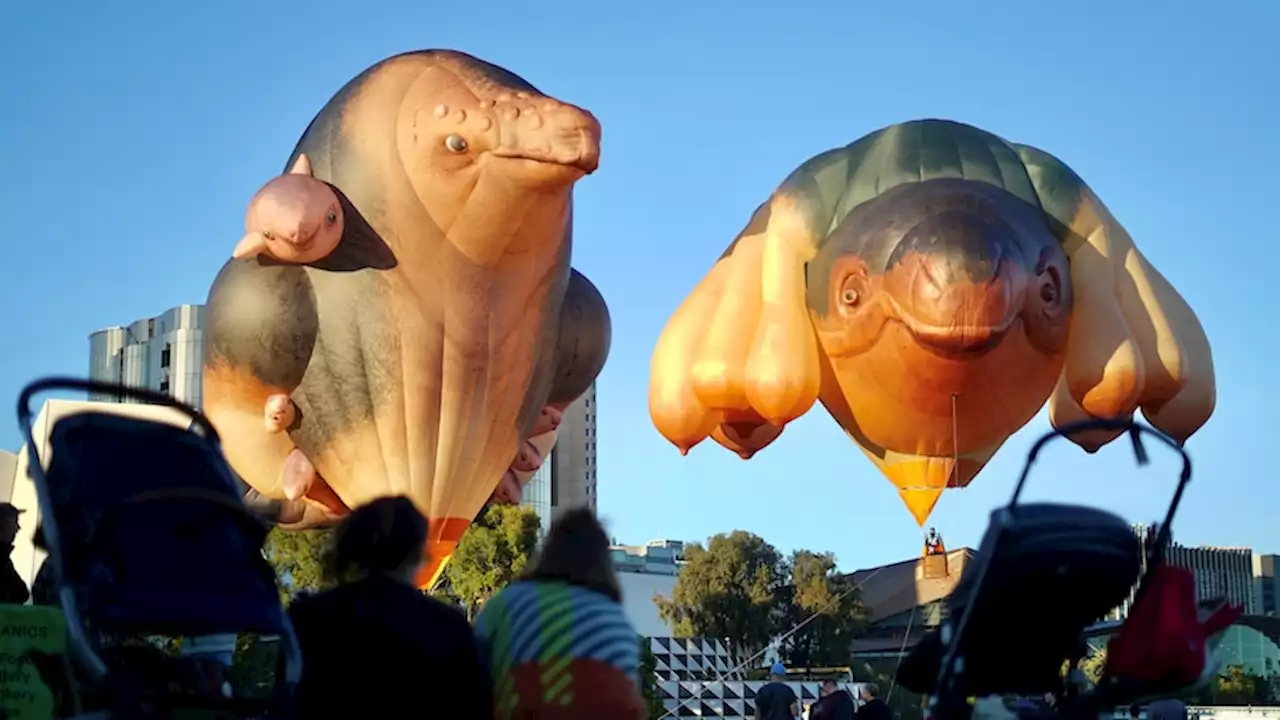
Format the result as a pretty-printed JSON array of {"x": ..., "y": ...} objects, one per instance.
[
  {"x": 873, "y": 708},
  {"x": 375, "y": 646},
  {"x": 776, "y": 700},
  {"x": 557, "y": 641}
]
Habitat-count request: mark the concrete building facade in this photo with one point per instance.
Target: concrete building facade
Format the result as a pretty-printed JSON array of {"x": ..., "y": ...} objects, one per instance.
[
  {"x": 1220, "y": 572},
  {"x": 164, "y": 353},
  {"x": 573, "y": 460},
  {"x": 645, "y": 572},
  {"x": 1266, "y": 585}
]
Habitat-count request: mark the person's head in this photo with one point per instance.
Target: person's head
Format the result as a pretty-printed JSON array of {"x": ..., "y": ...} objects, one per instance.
[
  {"x": 1135, "y": 711},
  {"x": 9, "y": 522},
  {"x": 869, "y": 692},
  {"x": 385, "y": 537},
  {"x": 576, "y": 552},
  {"x": 828, "y": 687},
  {"x": 778, "y": 672}
]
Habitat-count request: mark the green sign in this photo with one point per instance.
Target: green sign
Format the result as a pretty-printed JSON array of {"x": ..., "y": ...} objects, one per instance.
[{"x": 26, "y": 630}]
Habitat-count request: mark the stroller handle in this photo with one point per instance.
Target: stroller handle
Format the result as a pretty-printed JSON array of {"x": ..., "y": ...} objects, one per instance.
[
  {"x": 945, "y": 698},
  {"x": 93, "y": 386},
  {"x": 1135, "y": 432}
]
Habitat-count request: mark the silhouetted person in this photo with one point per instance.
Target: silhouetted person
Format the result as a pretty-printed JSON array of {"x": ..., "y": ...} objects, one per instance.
[
  {"x": 834, "y": 703},
  {"x": 374, "y": 646},
  {"x": 777, "y": 701},
  {"x": 1135, "y": 711},
  {"x": 44, "y": 589},
  {"x": 558, "y": 641},
  {"x": 873, "y": 708},
  {"x": 1168, "y": 709},
  {"x": 13, "y": 591}
]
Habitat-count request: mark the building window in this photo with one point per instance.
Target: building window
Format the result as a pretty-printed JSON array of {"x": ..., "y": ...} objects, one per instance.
[
  {"x": 166, "y": 355},
  {"x": 164, "y": 385}
]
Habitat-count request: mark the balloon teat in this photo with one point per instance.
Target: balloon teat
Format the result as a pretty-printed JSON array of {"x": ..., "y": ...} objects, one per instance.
[{"x": 251, "y": 244}]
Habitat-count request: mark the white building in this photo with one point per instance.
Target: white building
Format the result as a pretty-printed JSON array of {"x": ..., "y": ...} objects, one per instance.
[
  {"x": 164, "y": 353},
  {"x": 644, "y": 572}
]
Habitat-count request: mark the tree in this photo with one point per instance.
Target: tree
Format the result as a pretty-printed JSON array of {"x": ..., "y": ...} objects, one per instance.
[
  {"x": 1093, "y": 665},
  {"x": 816, "y": 590},
  {"x": 1237, "y": 686},
  {"x": 727, "y": 591},
  {"x": 492, "y": 553},
  {"x": 298, "y": 558},
  {"x": 649, "y": 680}
]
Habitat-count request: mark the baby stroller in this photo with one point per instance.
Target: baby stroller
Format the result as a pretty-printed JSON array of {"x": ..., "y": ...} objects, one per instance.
[
  {"x": 148, "y": 536},
  {"x": 1043, "y": 574}
]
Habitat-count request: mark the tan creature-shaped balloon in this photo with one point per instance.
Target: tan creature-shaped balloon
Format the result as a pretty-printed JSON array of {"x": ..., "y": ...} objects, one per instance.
[
  {"x": 420, "y": 351},
  {"x": 933, "y": 285},
  {"x": 294, "y": 218},
  {"x": 580, "y": 358}
]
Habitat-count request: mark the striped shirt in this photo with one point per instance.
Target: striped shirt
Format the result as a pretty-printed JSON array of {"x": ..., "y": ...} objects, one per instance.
[{"x": 548, "y": 631}]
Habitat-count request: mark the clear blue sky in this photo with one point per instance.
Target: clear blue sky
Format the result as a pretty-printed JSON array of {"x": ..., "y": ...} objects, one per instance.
[{"x": 133, "y": 133}]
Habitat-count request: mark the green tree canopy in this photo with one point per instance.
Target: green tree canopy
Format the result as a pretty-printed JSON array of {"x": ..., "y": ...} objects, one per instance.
[
  {"x": 298, "y": 558},
  {"x": 727, "y": 590},
  {"x": 649, "y": 680},
  {"x": 492, "y": 553},
  {"x": 1237, "y": 686},
  {"x": 817, "y": 590}
]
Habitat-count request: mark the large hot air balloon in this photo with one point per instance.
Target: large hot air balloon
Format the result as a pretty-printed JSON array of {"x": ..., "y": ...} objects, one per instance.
[
  {"x": 933, "y": 285},
  {"x": 401, "y": 309}
]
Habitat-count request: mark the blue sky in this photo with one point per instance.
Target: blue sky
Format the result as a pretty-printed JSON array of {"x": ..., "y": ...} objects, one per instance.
[{"x": 133, "y": 133}]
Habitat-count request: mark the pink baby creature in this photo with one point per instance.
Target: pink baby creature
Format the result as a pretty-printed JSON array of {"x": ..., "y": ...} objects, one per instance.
[{"x": 294, "y": 218}]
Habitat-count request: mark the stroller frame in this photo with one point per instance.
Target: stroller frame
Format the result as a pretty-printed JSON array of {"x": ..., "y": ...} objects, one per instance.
[
  {"x": 82, "y": 649},
  {"x": 948, "y": 703}
]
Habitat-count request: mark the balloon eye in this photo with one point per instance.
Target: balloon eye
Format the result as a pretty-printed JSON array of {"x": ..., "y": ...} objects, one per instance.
[
  {"x": 456, "y": 143},
  {"x": 1048, "y": 293},
  {"x": 266, "y": 234},
  {"x": 332, "y": 217},
  {"x": 849, "y": 296}
]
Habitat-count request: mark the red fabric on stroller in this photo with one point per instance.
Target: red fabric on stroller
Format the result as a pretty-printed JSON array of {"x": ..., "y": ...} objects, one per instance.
[{"x": 1162, "y": 643}]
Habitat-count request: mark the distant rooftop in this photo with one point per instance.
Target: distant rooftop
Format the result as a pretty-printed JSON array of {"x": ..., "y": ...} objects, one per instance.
[{"x": 658, "y": 557}]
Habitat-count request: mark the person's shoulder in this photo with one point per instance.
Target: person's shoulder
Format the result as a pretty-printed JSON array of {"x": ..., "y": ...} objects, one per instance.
[
  {"x": 776, "y": 687},
  {"x": 444, "y": 611}
]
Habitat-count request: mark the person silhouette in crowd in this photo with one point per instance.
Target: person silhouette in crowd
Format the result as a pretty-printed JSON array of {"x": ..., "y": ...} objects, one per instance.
[
  {"x": 776, "y": 700},
  {"x": 375, "y": 646},
  {"x": 557, "y": 640},
  {"x": 13, "y": 590},
  {"x": 833, "y": 704},
  {"x": 44, "y": 588},
  {"x": 873, "y": 708},
  {"x": 1167, "y": 709}
]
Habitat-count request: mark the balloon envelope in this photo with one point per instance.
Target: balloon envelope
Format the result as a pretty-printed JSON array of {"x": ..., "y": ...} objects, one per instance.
[
  {"x": 420, "y": 352},
  {"x": 933, "y": 285}
]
